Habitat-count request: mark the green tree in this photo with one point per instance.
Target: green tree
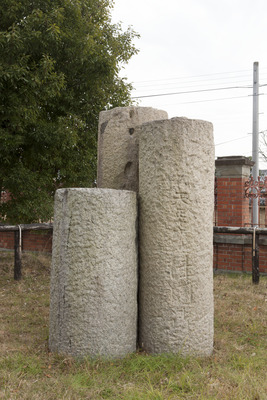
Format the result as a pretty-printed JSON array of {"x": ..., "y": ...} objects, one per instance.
[{"x": 59, "y": 67}]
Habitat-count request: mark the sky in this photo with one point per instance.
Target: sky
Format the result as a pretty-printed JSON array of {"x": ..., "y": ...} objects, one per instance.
[{"x": 204, "y": 51}]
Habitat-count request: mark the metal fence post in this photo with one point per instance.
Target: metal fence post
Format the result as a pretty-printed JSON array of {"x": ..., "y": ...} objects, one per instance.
[
  {"x": 17, "y": 254},
  {"x": 255, "y": 257}
]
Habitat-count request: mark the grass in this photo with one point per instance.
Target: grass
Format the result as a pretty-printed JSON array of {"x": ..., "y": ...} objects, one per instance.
[{"x": 237, "y": 370}]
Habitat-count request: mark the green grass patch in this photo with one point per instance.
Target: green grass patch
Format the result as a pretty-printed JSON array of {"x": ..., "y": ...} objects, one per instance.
[{"x": 237, "y": 370}]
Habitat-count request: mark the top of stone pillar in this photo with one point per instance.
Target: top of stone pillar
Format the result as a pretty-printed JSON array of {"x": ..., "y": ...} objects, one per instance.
[
  {"x": 117, "y": 157},
  {"x": 233, "y": 166}
]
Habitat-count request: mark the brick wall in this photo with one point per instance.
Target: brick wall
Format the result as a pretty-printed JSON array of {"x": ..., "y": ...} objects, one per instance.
[
  {"x": 237, "y": 258},
  {"x": 31, "y": 240},
  {"x": 37, "y": 241},
  {"x": 7, "y": 240},
  {"x": 234, "y": 257},
  {"x": 232, "y": 206},
  {"x": 234, "y": 253}
]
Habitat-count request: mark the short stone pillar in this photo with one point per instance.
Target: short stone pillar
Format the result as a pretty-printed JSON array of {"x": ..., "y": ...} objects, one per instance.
[
  {"x": 176, "y": 188},
  {"x": 118, "y": 145},
  {"x": 93, "y": 308},
  {"x": 232, "y": 205}
]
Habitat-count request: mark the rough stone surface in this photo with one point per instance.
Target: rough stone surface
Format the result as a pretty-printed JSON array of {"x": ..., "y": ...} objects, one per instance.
[
  {"x": 94, "y": 273},
  {"x": 176, "y": 189},
  {"x": 118, "y": 145}
]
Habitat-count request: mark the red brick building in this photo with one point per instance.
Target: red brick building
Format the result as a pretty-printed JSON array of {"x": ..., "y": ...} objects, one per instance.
[{"x": 233, "y": 252}]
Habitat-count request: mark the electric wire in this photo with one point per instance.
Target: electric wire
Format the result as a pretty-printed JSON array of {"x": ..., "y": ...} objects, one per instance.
[
  {"x": 173, "y": 82},
  {"x": 232, "y": 140},
  {"x": 210, "y": 100},
  {"x": 240, "y": 78},
  {"x": 200, "y": 76},
  {"x": 212, "y": 81},
  {"x": 203, "y": 75},
  {"x": 191, "y": 91},
  {"x": 185, "y": 85}
]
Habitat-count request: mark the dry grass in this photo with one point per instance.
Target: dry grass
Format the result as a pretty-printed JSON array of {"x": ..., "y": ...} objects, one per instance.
[{"x": 236, "y": 371}]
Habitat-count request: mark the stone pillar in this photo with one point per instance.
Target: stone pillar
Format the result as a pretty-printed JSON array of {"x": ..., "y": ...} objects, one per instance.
[
  {"x": 176, "y": 188},
  {"x": 93, "y": 308},
  {"x": 118, "y": 145},
  {"x": 232, "y": 205}
]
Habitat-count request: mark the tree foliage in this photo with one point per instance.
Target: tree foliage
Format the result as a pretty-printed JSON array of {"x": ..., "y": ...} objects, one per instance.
[{"x": 59, "y": 67}]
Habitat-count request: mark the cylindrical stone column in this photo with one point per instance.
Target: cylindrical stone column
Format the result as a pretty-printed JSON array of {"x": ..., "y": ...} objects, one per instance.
[
  {"x": 118, "y": 145},
  {"x": 93, "y": 308},
  {"x": 176, "y": 188}
]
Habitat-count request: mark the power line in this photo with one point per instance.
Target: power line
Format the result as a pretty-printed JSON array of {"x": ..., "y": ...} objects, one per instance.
[
  {"x": 200, "y": 76},
  {"x": 232, "y": 140},
  {"x": 195, "y": 76},
  {"x": 191, "y": 91},
  {"x": 239, "y": 138},
  {"x": 184, "y": 85},
  {"x": 205, "y": 101},
  {"x": 218, "y": 99},
  {"x": 174, "y": 81}
]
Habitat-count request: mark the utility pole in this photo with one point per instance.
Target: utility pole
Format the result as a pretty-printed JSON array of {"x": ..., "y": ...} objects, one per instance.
[{"x": 255, "y": 139}]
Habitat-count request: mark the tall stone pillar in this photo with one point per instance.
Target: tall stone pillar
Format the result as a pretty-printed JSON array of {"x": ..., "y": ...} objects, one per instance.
[
  {"x": 118, "y": 145},
  {"x": 232, "y": 206},
  {"x": 93, "y": 308},
  {"x": 176, "y": 188}
]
